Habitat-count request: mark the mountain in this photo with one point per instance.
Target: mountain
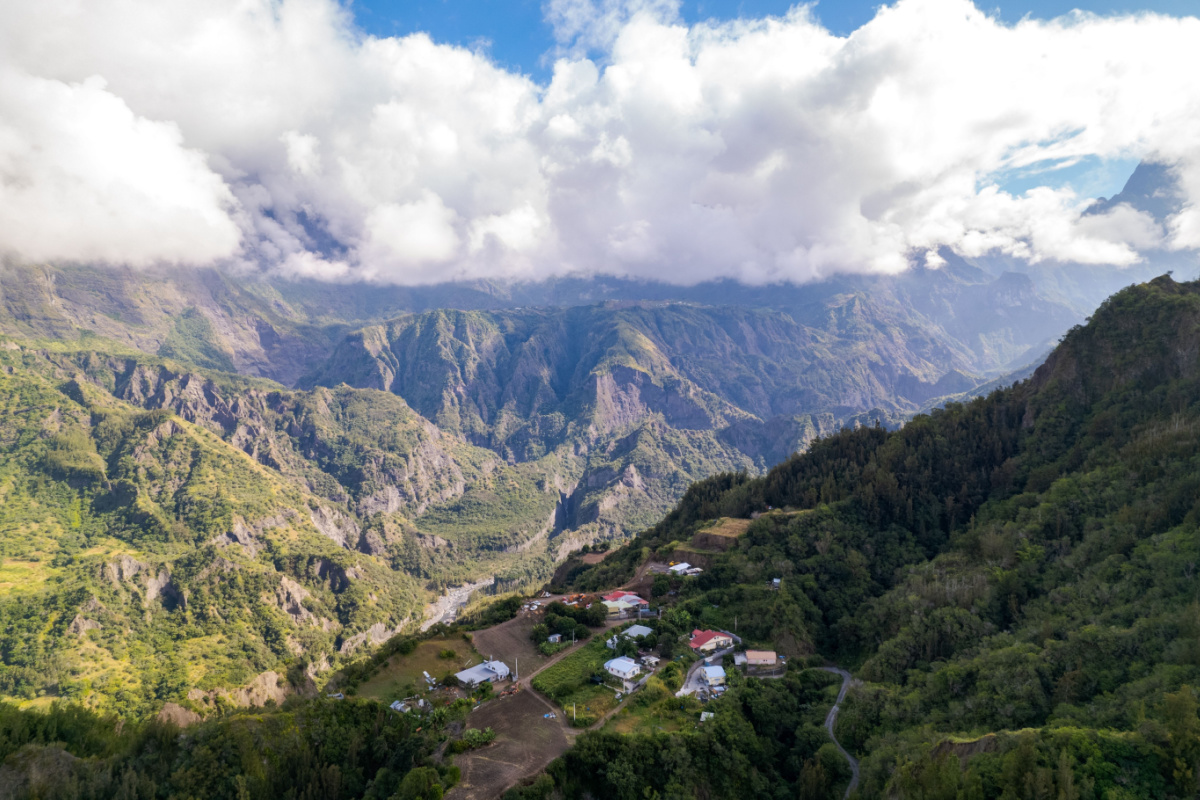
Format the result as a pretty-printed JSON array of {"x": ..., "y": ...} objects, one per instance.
[
  {"x": 1011, "y": 579},
  {"x": 167, "y": 531}
]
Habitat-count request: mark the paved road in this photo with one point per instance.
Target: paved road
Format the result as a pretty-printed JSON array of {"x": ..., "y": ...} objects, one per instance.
[
  {"x": 692, "y": 683},
  {"x": 831, "y": 720}
]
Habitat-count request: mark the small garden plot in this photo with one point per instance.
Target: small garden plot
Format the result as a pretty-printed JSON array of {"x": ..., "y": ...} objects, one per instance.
[
  {"x": 570, "y": 681},
  {"x": 655, "y": 708},
  {"x": 404, "y": 675},
  {"x": 587, "y": 704}
]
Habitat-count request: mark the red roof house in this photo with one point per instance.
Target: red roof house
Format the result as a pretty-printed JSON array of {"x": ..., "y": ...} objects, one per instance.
[{"x": 704, "y": 641}]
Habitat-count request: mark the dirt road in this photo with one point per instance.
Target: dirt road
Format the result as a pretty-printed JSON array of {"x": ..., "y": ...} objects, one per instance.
[{"x": 831, "y": 720}]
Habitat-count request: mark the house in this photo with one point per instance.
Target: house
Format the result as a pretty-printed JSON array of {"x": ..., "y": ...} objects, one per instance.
[
  {"x": 628, "y": 597},
  {"x": 624, "y": 668},
  {"x": 705, "y": 716},
  {"x": 487, "y": 672},
  {"x": 739, "y": 659},
  {"x": 633, "y": 632},
  {"x": 761, "y": 658},
  {"x": 398, "y": 706},
  {"x": 707, "y": 641},
  {"x": 776, "y": 583},
  {"x": 713, "y": 676},
  {"x": 619, "y": 608},
  {"x": 680, "y": 568},
  {"x": 650, "y": 661},
  {"x": 693, "y": 571},
  {"x": 554, "y": 638}
]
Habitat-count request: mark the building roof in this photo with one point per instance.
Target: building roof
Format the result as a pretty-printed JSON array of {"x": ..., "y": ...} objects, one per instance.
[
  {"x": 760, "y": 657},
  {"x": 622, "y": 666},
  {"x": 713, "y": 672},
  {"x": 681, "y": 567},
  {"x": 487, "y": 671},
  {"x": 630, "y": 597},
  {"x": 701, "y": 638},
  {"x": 634, "y": 631}
]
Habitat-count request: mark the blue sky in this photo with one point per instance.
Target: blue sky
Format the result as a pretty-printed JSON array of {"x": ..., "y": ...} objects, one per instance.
[{"x": 516, "y": 35}]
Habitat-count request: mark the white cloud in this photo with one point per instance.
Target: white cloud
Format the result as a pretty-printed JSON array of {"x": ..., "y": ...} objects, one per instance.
[
  {"x": 84, "y": 178},
  {"x": 761, "y": 149}
]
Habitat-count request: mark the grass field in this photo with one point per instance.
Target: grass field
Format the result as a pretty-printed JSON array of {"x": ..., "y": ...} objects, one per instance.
[
  {"x": 587, "y": 704},
  {"x": 18, "y": 576},
  {"x": 401, "y": 676},
  {"x": 569, "y": 682},
  {"x": 651, "y": 719}
]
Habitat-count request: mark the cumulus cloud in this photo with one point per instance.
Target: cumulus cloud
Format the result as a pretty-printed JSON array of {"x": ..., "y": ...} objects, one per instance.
[
  {"x": 274, "y": 133},
  {"x": 83, "y": 177}
]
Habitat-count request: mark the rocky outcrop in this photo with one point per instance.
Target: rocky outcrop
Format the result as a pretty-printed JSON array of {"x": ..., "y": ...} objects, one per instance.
[
  {"x": 122, "y": 570},
  {"x": 376, "y": 634},
  {"x": 177, "y": 715},
  {"x": 80, "y": 625},
  {"x": 160, "y": 587},
  {"x": 335, "y": 526},
  {"x": 268, "y": 686}
]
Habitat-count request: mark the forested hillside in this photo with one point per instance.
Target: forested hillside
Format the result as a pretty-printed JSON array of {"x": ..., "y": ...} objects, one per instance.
[{"x": 1012, "y": 579}]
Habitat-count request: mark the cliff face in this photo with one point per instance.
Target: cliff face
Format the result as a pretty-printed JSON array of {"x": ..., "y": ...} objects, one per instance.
[{"x": 521, "y": 382}]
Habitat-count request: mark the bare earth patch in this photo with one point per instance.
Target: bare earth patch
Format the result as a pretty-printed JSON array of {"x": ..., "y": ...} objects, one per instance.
[
  {"x": 595, "y": 558},
  {"x": 509, "y": 641},
  {"x": 525, "y": 744}
]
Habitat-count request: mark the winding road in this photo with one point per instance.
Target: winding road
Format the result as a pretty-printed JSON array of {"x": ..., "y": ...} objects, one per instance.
[{"x": 831, "y": 720}]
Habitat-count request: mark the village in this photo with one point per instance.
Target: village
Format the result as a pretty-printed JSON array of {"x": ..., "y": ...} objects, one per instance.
[{"x": 567, "y": 663}]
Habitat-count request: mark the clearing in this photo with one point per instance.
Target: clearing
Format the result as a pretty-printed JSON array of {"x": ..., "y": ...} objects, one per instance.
[
  {"x": 721, "y": 535},
  {"x": 525, "y": 743},
  {"x": 509, "y": 641},
  {"x": 402, "y": 676}
]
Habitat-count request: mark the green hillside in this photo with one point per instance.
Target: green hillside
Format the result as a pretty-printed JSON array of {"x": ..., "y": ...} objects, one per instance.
[
  {"x": 1013, "y": 580},
  {"x": 168, "y": 533}
]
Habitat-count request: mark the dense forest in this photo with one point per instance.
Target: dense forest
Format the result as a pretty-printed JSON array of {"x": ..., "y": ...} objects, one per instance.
[
  {"x": 324, "y": 750},
  {"x": 1013, "y": 580}
]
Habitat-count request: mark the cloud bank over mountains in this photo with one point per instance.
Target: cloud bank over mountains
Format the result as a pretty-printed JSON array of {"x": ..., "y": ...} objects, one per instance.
[{"x": 276, "y": 134}]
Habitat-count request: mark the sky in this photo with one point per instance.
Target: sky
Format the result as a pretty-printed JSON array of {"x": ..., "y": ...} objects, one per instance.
[
  {"x": 439, "y": 140},
  {"x": 516, "y": 34}
]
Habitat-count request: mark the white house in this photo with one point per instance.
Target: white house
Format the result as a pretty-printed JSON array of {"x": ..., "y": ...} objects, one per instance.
[
  {"x": 713, "y": 676},
  {"x": 487, "y": 672},
  {"x": 681, "y": 568},
  {"x": 624, "y": 668},
  {"x": 554, "y": 638}
]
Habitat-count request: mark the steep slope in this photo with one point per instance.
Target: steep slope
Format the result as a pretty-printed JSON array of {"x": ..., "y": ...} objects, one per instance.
[
  {"x": 639, "y": 400},
  {"x": 167, "y": 532},
  {"x": 1013, "y": 579}
]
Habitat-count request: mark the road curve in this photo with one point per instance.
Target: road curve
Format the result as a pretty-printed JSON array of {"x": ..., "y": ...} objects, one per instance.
[{"x": 831, "y": 720}]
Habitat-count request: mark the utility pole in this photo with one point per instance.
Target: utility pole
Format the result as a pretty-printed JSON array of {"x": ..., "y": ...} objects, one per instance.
[
  {"x": 518, "y": 669},
  {"x": 572, "y": 712}
]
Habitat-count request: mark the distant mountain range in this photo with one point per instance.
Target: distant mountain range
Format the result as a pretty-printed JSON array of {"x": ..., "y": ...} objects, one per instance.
[{"x": 344, "y": 450}]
